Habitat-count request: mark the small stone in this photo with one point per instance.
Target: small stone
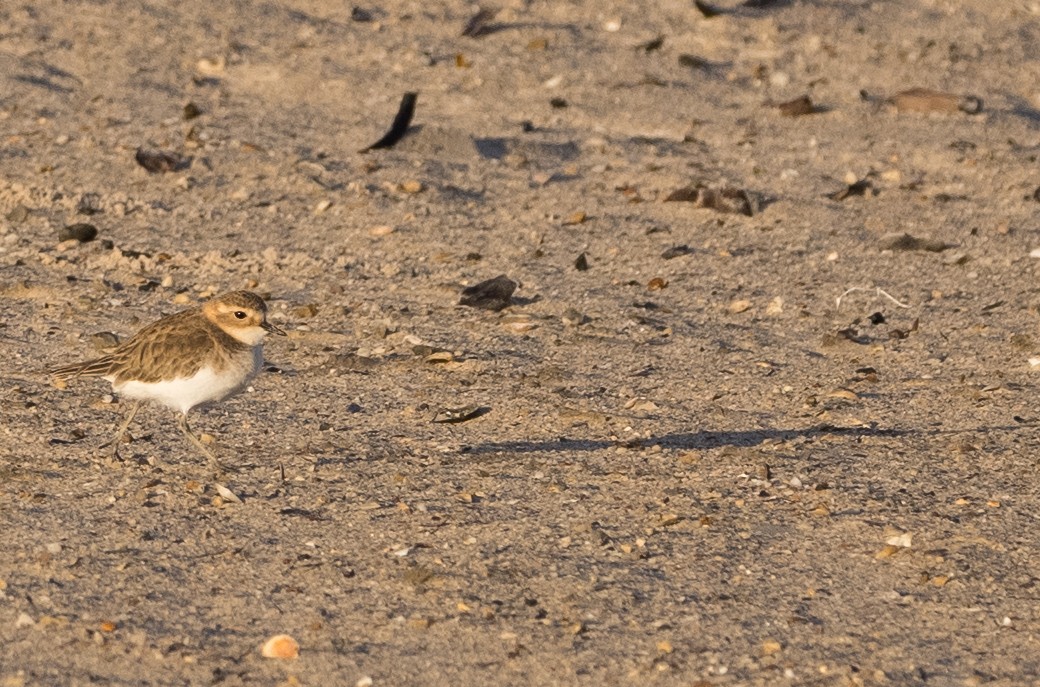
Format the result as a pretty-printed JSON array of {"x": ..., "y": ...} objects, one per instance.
[
  {"x": 797, "y": 107},
  {"x": 80, "y": 231},
  {"x": 190, "y": 111},
  {"x": 492, "y": 294},
  {"x": 581, "y": 263},
  {"x": 412, "y": 186},
  {"x": 519, "y": 323},
  {"x": 18, "y": 214},
  {"x": 739, "y": 306},
  {"x": 576, "y": 218},
  {"x": 24, "y": 620},
  {"x": 572, "y": 317},
  {"x": 280, "y": 646},
  {"x": 381, "y": 230},
  {"x": 304, "y": 311}
]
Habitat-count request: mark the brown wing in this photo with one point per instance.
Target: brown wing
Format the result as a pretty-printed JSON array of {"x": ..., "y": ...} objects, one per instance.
[
  {"x": 174, "y": 347},
  {"x": 92, "y": 368}
]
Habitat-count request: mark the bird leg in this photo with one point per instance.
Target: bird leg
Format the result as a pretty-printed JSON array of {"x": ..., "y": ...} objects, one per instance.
[
  {"x": 183, "y": 424},
  {"x": 114, "y": 443}
]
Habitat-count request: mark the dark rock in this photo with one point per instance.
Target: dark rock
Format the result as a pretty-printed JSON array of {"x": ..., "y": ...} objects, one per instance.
[{"x": 493, "y": 294}]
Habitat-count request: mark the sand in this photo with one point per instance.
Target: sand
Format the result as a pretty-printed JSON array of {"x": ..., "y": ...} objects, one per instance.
[{"x": 783, "y": 444}]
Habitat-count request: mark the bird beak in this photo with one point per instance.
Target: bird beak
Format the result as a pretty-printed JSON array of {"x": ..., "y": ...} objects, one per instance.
[{"x": 271, "y": 328}]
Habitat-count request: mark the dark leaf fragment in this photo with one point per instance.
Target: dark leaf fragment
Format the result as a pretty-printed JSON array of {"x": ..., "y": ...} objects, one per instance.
[
  {"x": 156, "y": 161},
  {"x": 857, "y": 188},
  {"x": 707, "y": 10},
  {"x": 457, "y": 415},
  {"x": 361, "y": 15},
  {"x": 492, "y": 294},
  {"x": 480, "y": 23},
  {"x": 798, "y": 107},
  {"x": 582, "y": 263},
  {"x": 676, "y": 252},
  {"x": 898, "y": 241},
  {"x": 190, "y": 111},
  {"x": 81, "y": 232},
  {"x": 651, "y": 45},
  {"x": 400, "y": 125},
  {"x": 726, "y": 199}
]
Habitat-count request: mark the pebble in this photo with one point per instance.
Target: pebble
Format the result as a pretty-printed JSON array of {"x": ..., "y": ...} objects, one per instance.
[
  {"x": 492, "y": 294},
  {"x": 572, "y": 317},
  {"x": 81, "y": 231},
  {"x": 280, "y": 646}
]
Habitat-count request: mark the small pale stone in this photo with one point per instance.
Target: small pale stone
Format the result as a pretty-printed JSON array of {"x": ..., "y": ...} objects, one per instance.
[
  {"x": 739, "y": 306},
  {"x": 280, "y": 646},
  {"x": 381, "y": 230}
]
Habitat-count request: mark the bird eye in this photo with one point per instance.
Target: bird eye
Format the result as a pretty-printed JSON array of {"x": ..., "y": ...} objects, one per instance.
[{"x": 240, "y": 315}]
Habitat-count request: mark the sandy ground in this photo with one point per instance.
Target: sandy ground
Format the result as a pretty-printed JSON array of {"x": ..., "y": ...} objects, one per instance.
[{"x": 699, "y": 469}]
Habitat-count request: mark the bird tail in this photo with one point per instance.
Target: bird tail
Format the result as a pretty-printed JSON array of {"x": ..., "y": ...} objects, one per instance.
[{"x": 92, "y": 368}]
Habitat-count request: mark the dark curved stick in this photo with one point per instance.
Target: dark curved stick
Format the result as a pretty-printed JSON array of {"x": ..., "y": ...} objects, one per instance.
[{"x": 401, "y": 122}]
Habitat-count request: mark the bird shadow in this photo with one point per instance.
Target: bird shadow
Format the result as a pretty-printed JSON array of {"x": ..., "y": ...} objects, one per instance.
[{"x": 685, "y": 440}]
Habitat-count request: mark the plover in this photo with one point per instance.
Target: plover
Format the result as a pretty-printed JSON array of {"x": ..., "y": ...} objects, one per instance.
[{"x": 196, "y": 356}]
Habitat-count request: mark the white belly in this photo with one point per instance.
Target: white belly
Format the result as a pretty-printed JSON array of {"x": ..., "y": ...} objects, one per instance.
[{"x": 186, "y": 393}]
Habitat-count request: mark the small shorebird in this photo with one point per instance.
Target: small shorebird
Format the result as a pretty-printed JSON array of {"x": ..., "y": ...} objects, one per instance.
[{"x": 196, "y": 356}]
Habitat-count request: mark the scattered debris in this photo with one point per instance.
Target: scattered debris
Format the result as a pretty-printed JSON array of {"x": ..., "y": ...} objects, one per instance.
[
  {"x": 798, "y": 107},
  {"x": 400, "y": 125},
  {"x": 877, "y": 290},
  {"x": 856, "y": 188},
  {"x": 492, "y": 294},
  {"x": 480, "y": 23},
  {"x": 907, "y": 242},
  {"x": 651, "y": 45},
  {"x": 80, "y": 231},
  {"x": 157, "y": 161},
  {"x": 454, "y": 416},
  {"x": 657, "y": 284},
  {"x": 925, "y": 101},
  {"x": 280, "y": 646},
  {"x": 726, "y": 199},
  {"x": 676, "y": 252}
]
